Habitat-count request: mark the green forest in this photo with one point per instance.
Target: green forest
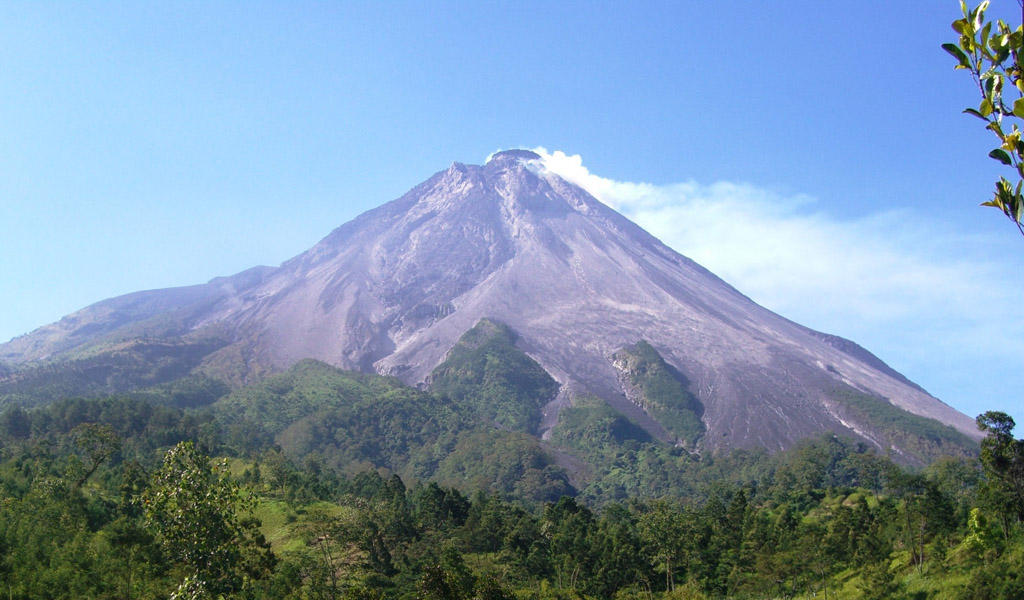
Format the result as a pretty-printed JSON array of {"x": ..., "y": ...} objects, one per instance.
[{"x": 318, "y": 483}]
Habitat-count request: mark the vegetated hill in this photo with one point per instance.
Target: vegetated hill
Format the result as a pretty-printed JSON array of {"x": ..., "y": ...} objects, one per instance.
[
  {"x": 661, "y": 391},
  {"x": 510, "y": 242},
  {"x": 486, "y": 372},
  {"x": 113, "y": 369},
  {"x": 353, "y": 422},
  {"x": 358, "y": 421}
]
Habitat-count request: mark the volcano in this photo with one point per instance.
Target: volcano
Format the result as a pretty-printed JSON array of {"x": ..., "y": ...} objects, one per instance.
[{"x": 582, "y": 288}]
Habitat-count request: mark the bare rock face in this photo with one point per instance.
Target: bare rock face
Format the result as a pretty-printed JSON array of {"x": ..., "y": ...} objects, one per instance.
[{"x": 393, "y": 290}]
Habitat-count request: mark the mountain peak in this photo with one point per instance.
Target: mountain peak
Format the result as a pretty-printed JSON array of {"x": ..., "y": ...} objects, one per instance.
[
  {"x": 512, "y": 156},
  {"x": 511, "y": 242}
]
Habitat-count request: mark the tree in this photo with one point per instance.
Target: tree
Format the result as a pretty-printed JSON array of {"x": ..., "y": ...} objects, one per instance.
[
  {"x": 667, "y": 531},
  {"x": 194, "y": 510},
  {"x": 98, "y": 442},
  {"x": 328, "y": 537},
  {"x": 569, "y": 527},
  {"x": 15, "y": 423},
  {"x": 450, "y": 579},
  {"x": 996, "y": 62},
  {"x": 1002, "y": 458},
  {"x": 877, "y": 582}
]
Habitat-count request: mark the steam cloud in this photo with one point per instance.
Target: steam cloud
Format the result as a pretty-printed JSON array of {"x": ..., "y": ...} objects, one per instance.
[{"x": 920, "y": 294}]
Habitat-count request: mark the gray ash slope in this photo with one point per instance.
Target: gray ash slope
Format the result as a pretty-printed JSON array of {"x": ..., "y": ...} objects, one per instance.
[{"x": 393, "y": 290}]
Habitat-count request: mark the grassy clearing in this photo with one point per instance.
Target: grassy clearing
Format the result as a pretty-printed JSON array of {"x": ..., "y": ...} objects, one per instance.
[{"x": 281, "y": 524}]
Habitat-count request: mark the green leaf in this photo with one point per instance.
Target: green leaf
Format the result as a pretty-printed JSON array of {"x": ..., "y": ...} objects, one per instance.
[
  {"x": 996, "y": 202},
  {"x": 1018, "y": 107},
  {"x": 979, "y": 15},
  {"x": 989, "y": 82},
  {"x": 985, "y": 108},
  {"x": 982, "y": 7},
  {"x": 975, "y": 113},
  {"x": 997, "y": 42},
  {"x": 958, "y": 54},
  {"x": 1001, "y": 155}
]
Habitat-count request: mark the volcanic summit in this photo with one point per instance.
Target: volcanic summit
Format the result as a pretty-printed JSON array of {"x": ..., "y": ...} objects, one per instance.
[{"x": 582, "y": 288}]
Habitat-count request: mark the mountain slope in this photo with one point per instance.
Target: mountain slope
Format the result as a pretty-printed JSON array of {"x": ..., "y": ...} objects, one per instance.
[{"x": 395, "y": 289}]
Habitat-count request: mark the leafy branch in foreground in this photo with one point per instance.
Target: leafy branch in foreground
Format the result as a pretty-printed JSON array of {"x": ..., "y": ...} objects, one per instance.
[{"x": 991, "y": 52}]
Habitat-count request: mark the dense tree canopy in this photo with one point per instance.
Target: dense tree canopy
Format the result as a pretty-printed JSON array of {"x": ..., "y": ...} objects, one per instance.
[{"x": 126, "y": 503}]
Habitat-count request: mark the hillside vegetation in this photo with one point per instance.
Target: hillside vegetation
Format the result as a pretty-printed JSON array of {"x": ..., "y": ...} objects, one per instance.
[
  {"x": 322, "y": 483},
  {"x": 352, "y": 422},
  {"x": 103, "y": 498},
  {"x": 661, "y": 390},
  {"x": 487, "y": 373}
]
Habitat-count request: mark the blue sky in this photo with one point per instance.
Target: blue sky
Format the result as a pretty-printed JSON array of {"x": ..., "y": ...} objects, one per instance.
[{"x": 813, "y": 154}]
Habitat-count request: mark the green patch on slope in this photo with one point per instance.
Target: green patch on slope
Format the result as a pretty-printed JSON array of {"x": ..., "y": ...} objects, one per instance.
[
  {"x": 119, "y": 368},
  {"x": 623, "y": 459},
  {"x": 925, "y": 439},
  {"x": 504, "y": 460},
  {"x": 590, "y": 425},
  {"x": 661, "y": 391},
  {"x": 355, "y": 422},
  {"x": 487, "y": 373},
  {"x": 310, "y": 386}
]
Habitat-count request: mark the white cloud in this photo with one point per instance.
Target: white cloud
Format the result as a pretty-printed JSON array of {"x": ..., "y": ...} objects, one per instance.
[{"x": 919, "y": 293}]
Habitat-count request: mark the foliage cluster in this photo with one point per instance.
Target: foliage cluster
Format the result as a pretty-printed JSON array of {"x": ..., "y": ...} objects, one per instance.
[
  {"x": 992, "y": 53},
  {"x": 486, "y": 372},
  {"x": 354, "y": 422},
  {"x": 78, "y": 518}
]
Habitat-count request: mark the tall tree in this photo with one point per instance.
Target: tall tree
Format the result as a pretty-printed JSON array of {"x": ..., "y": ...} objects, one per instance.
[
  {"x": 1002, "y": 458},
  {"x": 666, "y": 530},
  {"x": 97, "y": 442},
  {"x": 195, "y": 510}
]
